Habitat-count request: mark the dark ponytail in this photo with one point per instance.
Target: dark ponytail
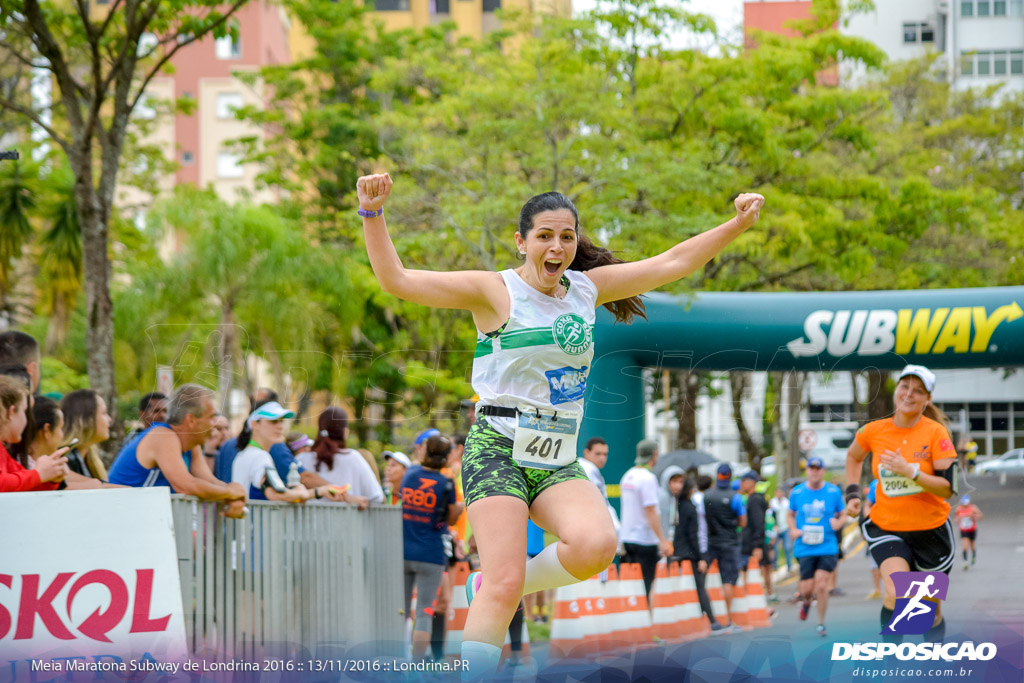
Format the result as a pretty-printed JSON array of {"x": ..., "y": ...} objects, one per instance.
[
  {"x": 243, "y": 438},
  {"x": 588, "y": 254},
  {"x": 435, "y": 455},
  {"x": 330, "y": 436},
  {"x": 45, "y": 411}
]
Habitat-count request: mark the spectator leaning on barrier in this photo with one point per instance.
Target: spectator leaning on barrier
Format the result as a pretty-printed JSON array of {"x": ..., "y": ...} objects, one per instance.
[
  {"x": 168, "y": 454},
  {"x": 48, "y": 428},
  {"x": 396, "y": 465},
  {"x": 19, "y": 449},
  {"x": 253, "y": 467},
  {"x": 283, "y": 457},
  {"x": 428, "y": 507},
  {"x": 218, "y": 435},
  {"x": 298, "y": 442},
  {"x": 152, "y": 408},
  {"x": 49, "y": 469},
  {"x": 332, "y": 460},
  {"x": 86, "y": 419}
]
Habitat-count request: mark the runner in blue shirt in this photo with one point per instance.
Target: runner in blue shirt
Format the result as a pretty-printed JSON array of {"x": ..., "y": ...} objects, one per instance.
[{"x": 816, "y": 513}]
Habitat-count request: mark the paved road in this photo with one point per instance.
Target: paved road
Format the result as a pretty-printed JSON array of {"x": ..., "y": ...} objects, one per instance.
[{"x": 985, "y": 604}]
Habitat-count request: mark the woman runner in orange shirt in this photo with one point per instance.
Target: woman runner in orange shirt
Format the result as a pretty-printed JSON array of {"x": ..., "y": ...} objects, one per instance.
[{"x": 913, "y": 458}]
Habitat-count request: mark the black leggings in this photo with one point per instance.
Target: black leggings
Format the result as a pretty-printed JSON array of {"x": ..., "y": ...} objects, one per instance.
[
  {"x": 647, "y": 557},
  {"x": 702, "y": 592}
]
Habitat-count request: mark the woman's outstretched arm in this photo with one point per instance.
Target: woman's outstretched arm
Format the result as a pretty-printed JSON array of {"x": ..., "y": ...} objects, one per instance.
[
  {"x": 624, "y": 280},
  {"x": 472, "y": 290}
]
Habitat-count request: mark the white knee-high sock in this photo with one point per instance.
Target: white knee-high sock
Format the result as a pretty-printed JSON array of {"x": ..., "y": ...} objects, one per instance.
[
  {"x": 481, "y": 659},
  {"x": 545, "y": 571}
]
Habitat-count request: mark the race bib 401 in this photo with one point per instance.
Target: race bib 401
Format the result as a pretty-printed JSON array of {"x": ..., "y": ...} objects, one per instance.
[{"x": 545, "y": 440}]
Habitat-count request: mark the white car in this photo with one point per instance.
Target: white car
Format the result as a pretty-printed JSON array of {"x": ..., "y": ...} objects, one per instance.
[{"x": 1011, "y": 462}]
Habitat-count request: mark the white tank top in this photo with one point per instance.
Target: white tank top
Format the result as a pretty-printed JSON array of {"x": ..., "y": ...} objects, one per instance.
[{"x": 543, "y": 356}]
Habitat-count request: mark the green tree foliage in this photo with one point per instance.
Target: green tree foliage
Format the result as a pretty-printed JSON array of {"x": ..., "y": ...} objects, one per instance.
[
  {"x": 60, "y": 262},
  {"x": 870, "y": 187},
  {"x": 100, "y": 65},
  {"x": 18, "y": 189},
  {"x": 319, "y": 124},
  {"x": 238, "y": 284}
]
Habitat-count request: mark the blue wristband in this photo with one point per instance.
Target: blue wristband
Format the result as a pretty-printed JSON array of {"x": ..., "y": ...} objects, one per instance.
[{"x": 371, "y": 214}]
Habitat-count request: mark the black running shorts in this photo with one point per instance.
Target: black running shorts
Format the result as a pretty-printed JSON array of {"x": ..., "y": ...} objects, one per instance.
[
  {"x": 931, "y": 550},
  {"x": 489, "y": 470}
]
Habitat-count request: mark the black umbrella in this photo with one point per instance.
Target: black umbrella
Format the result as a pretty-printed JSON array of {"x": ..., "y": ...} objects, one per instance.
[{"x": 685, "y": 459}]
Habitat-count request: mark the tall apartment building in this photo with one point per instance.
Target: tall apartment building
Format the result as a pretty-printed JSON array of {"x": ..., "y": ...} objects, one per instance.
[
  {"x": 474, "y": 18},
  {"x": 204, "y": 71},
  {"x": 982, "y": 41}
]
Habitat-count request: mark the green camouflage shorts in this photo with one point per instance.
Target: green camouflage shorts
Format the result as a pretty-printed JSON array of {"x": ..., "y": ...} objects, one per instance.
[{"x": 489, "y": 470}]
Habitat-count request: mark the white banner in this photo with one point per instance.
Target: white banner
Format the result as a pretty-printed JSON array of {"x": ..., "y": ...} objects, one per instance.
[{"x": 89, "y": 581}]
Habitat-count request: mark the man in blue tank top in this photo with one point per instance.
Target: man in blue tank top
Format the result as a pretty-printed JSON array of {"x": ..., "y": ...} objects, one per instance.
[{"x": 168, "y": 453}]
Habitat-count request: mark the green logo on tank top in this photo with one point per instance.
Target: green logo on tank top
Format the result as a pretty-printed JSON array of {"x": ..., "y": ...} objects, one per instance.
[{"x": 572, "y": 334}]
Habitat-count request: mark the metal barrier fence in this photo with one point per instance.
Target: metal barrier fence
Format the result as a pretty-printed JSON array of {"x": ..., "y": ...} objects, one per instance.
[{"x": 288, "y": 578}]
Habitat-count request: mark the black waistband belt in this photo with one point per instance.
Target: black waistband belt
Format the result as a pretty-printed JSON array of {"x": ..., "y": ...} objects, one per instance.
[{"x": 498, "y": 411}]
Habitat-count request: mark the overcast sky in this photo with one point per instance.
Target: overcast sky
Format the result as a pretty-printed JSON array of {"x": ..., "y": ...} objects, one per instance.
[{"x": 728, "y": 16}]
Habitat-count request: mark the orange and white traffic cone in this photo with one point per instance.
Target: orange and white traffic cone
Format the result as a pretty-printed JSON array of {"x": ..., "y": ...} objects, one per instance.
[
  {"x": 567, "y": 629},
  {"x": 757, "y": 605},
  {"x": 713, "y": 585},
  {"x": 739, "y": 606},
  {"x": 663, "y": 602},
  {"x": 691, "y": 618},
  {"x": 457, "y": 612},
  {"x": 637, "y": 616}
]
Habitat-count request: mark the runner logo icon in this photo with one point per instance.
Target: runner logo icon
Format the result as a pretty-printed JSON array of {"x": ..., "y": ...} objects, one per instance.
[
  {"x": 572, "y": 334},
  {"x": 921, "y": 593}
]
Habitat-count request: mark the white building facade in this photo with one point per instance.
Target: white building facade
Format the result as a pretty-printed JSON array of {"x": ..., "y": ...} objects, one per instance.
[{"x": 982, "y": 41}]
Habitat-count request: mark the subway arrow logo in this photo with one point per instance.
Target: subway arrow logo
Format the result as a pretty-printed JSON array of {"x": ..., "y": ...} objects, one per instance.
[{"x": 966, "y": 329}]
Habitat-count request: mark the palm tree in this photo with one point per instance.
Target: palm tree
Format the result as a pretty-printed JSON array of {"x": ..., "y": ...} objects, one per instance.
[
  {"x": 61, "y": 259},
  {"x": 248, "y": 264},
  {"x": 18, "y": 186}
]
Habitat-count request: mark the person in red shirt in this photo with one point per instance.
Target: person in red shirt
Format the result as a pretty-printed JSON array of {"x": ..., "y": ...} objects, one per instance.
[
  {"x": 914, "y": 461},
  {"x": 49, "y": 469},
  {"x": 967, "y": 517}
]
